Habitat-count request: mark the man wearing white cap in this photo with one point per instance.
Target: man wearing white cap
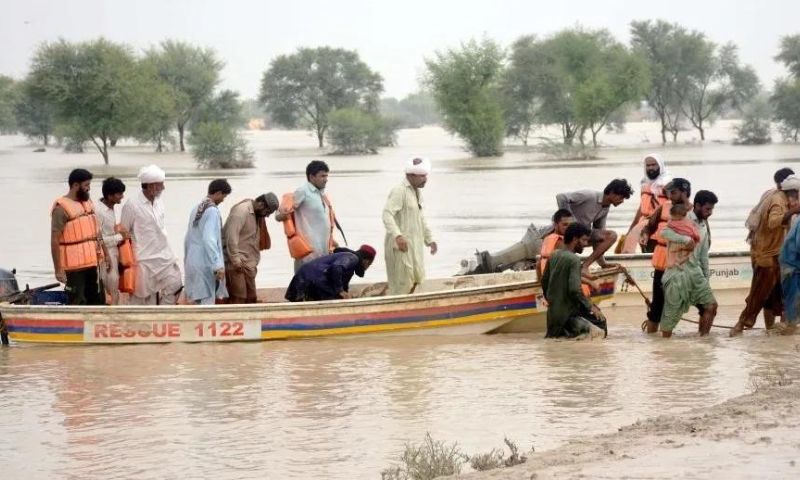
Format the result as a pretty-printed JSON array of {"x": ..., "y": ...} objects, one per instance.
[
  {"x": 765, "y": 288},
  {"x": 158, "y": 276},
  {"x": 407, "y": 232}
]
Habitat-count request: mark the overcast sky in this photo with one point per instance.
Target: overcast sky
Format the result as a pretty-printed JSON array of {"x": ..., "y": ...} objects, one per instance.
[{"x": 392, "y": 37}]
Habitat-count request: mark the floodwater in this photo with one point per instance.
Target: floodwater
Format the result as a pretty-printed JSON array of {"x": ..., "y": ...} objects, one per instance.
[{"x": 343, "y": 408}]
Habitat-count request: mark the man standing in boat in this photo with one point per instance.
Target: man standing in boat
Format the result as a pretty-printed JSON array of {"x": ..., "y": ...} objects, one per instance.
[
  {"x": 113, "y": 235},
  {"x": 569, "y": 312},
  {"x": 653, "y": 194},
  {"x": 679, "y": 192},
  {"x": 590, "y": 208},
  {"x": 328, "y": 277},
  {"x": 204, "y": 263},
  {"x": 407, "y": 232},
  {"x": 774, "y": 215},
  {"x": 311, "y": 214},
  {"x": 244, "y": 236},
  {"x": 75, "y": 243},
  {"x": 158, "y": 276},
  {"x": 688, "y": 284}
]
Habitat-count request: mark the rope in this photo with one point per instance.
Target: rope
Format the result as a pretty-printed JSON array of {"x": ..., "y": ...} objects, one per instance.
[{"x": 631, "y": 281}]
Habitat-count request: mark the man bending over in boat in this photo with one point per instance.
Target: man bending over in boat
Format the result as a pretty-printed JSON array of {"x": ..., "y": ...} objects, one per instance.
[
  {"x": 590, "y": 208},
  {"x": 328, "y": 277},
  {"x": 570, "y": 313}
]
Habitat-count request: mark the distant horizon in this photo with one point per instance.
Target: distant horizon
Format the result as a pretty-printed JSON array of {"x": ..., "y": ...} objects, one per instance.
[{"x": 394, "y": 41}]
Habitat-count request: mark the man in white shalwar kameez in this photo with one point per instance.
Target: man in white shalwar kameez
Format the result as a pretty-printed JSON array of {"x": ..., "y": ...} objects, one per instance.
[
  {"x": 203, "y": 261},
  {"x": 113, "y": 193},
  {"x": 407, "y": 232},
  {"x": 158, "y": 276}
]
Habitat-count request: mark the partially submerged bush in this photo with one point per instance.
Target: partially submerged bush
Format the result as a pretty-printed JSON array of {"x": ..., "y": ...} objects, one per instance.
[
  {"x": 353, "y": 131},
  {"x": 755, "y": 126},
  {"x": 496, "y": 458},
  {"x": 557, "y": 150},
  {"x": 426, "y": 461},
  {"x": 215, "y": 145}
]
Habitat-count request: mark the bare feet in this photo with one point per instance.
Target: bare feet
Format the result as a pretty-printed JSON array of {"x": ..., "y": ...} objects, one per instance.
[{"x": 737, "y": 330}]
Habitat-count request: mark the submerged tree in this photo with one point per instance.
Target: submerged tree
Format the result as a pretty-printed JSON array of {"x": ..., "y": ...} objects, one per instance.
[
  {"x": 464, "y": 83},
  {"x": 519, "y": 88},
  {"x": 96, "y": 87},
  {"x": 9, "y": 95},
  {"x": 192, "y": 72},
  {"x": 303, "y": 88},
  {"x": 786, "y": 93}
]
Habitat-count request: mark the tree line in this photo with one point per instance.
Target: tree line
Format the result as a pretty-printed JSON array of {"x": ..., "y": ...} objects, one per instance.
[{"x": 582, "y": 80}]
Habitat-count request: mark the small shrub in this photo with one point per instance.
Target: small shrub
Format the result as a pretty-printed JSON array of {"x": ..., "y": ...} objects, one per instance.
[
  {"x": 755, "y": 126},
  {"x": 556, "y": 150},
  {"x": 426, "y": 461},
  {"x": 352, "y": 131},
  {"x": 487, "y": 461},
  {"x": 215, "y": 145}
]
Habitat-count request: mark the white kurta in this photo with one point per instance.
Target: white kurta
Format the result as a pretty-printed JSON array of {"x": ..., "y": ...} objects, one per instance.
[
  {"x": 158, "y": 271},
  {"x": 403, "y": 215},
  {"x": 107, "y": 219}
]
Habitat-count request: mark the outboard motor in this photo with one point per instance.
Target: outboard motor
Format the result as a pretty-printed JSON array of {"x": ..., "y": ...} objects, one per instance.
[{"x": 8, "y": 283}]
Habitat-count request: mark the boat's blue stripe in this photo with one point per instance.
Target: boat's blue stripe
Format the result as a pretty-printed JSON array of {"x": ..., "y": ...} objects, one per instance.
[
  {"x": 392, "y": 320},
  {"x": 51, "y": 330}
]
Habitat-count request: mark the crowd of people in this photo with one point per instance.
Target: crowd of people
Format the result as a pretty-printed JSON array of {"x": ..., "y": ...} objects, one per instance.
[{"x": 119, "y": 253}]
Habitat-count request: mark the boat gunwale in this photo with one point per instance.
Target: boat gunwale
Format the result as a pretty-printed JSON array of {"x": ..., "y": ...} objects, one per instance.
[{"x": 648, "y": 256}]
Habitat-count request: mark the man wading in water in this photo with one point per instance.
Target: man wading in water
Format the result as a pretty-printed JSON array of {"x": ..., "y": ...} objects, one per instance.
[{"x": 569, "y": 312}]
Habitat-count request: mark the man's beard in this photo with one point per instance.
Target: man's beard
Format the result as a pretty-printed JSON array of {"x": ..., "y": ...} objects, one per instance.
[
  {"x": 360, "y": 270},
  {"x": 653, "y": 174},
  {"x": 578, "y": 249},
  {"x": 82, "y": 195}
]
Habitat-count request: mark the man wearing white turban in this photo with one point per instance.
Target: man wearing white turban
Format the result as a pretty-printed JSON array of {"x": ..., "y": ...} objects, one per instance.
[
  {"x": 653, "y": 195},
  {"x": 765, "y": 288},
  {"x": 158, "y": 276},
  {"x": 407, "y": 232}
]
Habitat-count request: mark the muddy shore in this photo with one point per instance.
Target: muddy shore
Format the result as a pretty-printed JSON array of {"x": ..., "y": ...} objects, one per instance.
[{"x": 751, "y": 436}]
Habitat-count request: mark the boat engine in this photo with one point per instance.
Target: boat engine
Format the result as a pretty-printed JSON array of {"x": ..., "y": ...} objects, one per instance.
[{"x": 8, "y": 283}]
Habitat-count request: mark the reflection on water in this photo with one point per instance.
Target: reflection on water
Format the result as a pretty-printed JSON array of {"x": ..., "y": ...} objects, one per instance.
[{"x": 344, "y": 408}]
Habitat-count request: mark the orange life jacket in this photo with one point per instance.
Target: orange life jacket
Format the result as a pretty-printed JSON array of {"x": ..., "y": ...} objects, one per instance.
[
  {"x": 127, "y": 267},
  {"x": 649, "y": 203},
  {"x": 298, "y": 245},
  {"x": 78, "y": 244},
  {"x": 659, "y": 259},
  {"x": 548, "y": 247}
]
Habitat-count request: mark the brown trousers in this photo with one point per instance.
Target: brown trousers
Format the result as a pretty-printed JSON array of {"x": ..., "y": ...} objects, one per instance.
[
  {"x": 765, "y": 293},
  {"x": 241, "y": 285}
]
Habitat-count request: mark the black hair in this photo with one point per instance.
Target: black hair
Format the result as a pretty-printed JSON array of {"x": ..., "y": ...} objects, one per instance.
[
  {"x": 678, "y": 209},
  {"x": 315, "y": 167},
  {"x": 219, "y": 185},
  {"x": 705, "y": 197},
  {"x": 782, "y": 174},
  {"x": 561, "y": 213},
  {"x": 619, "y": 186},
  {"x": 576, "y": 230},
  {"x": 79, "y": 175},
  {"x": 111, "y": 186}
]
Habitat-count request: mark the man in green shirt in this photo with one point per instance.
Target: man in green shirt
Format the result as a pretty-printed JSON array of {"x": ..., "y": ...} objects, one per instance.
[{"x": 569, "y": 312}]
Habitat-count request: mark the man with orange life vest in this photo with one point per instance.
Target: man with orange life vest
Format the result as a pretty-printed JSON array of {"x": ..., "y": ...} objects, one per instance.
[
  {"x": 562, "y": 219},
  {"x": 310, "y": 213},
  {"x": 653, "y": 194},
  {"x": 678, "y": 191},
  {"x": 113, "y": 235},
  {"x": 75, "y": 242},
  {"x": 158, "y": 276},
  {"x": 244, "y": 236}
]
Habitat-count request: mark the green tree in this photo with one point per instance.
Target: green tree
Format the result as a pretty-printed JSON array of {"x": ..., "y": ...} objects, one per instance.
[
  {"x": 9, "y": 96},
  {"x": 216, "y": 145},
  {"x": 520, "y": 89},
  {"x": 464, "y": 84},
  {"x": 353, "y": 131},
  {"x": 786, "y": 93},
  {"x": 669, "y": 51},
  {"x": 157, "y": 119},
  {"x": 715, "y": 82},
  {"x": 224, "y": 108},
  {"x": 96, "y": 87},
  {"x": 35, "y": 117},
  {"x": 192, "y": 72},
  {"x": 303, "y": 88},
  {"x": 755, "y": 126}
]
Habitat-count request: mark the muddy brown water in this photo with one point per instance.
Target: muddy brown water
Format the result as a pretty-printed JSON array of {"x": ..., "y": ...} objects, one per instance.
[{"x": 343, "y": 408}]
